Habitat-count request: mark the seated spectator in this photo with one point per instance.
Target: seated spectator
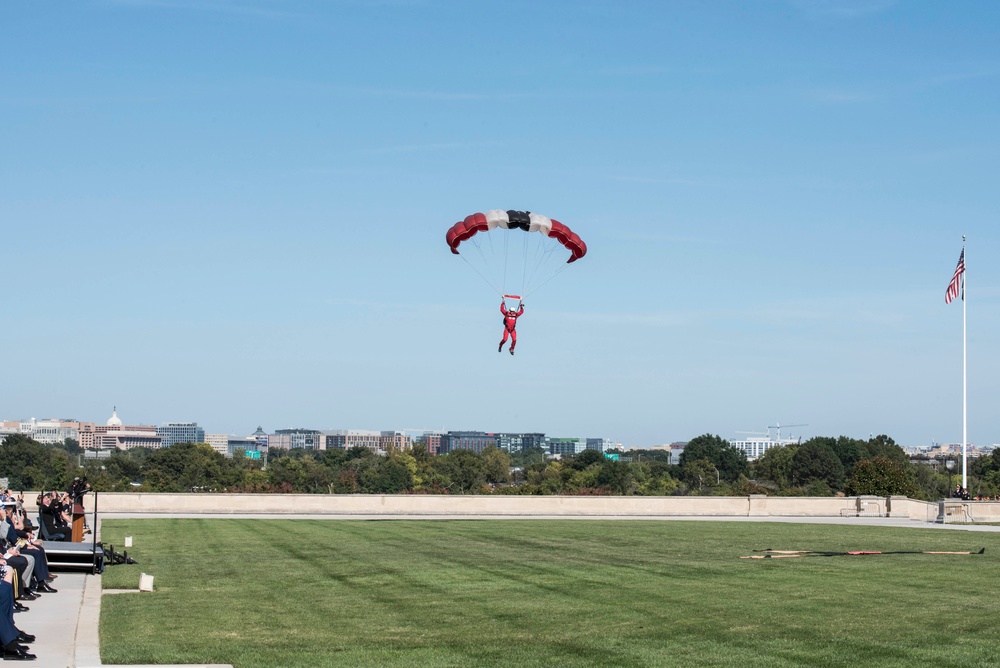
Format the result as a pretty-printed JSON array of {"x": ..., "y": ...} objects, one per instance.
[
  {"x": 38, "y": 577},
  {"x": 52, "y": 518}
]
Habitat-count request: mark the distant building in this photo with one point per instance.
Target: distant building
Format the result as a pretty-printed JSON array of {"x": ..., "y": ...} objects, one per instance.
[
  {"x": 291, "y": 439},
  {"x": 566, "y": 446},
  {"x": 600, "y": 444},
  {"x": 394, "y": 440},
  {"x": 516, "y": 442},
  {"x": 114, "y": 435},
  {"x": 511, "y": 442},
  {"x": 246, "y": 444},
  {"x": 754, "y": 447},
  {"x": 345, "y": 439},
  {"x": 379, "y": 441},
  {"x": 260, "y": 436},
  {"x": 9, "y": 428},
  {"x": 219, "y": 442},
  {"x": 52, "y": 431},
  {"x": 173, "y": 433},
  {"x": 477, "y": 441},
  {"x": 430, "y": 440}
]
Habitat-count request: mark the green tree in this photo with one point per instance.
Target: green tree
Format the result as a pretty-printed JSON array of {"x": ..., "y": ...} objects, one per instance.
[
  {"x": 984, "y": 464},
  {"x": 730, "y": 461},
  {"x": 931, "y": 485},
  {"x": 548, "y": 480},
  {"x": 815, "y": 461},
  {"x": 849, "y": 451},
  {"x": 745, "y": 487},
  {"x": 71, "y": 446},
  {"x": 189, "y": 467},
  {"x": 389, "y": 476},
  {"x": 700, "y": 473},
  {"x": 617, "y": 477},
  {"x": 529, "y": 457},
  {"x": 316, "y": 478},
  {"x": 112, "y": 474},
  {"x": 775, "y": 466},
  {"x": 655, "y": 479},
  {"x": 881, "y": 476},
  {"x": 884, "y": 446},
  {"x": 464, "y": 470},
  {"x": 582, "y": 480},
  {"x": 649, "y": 455},
  {"x": 28, "y": 464},
  {"x": 585, "y": 459},
  {"x": 497, "y": 465}
]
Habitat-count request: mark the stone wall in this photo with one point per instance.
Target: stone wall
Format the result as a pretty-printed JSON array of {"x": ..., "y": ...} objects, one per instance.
[
  {"x": 527, "y": 506},
  {"x": 958, "y": 511}
]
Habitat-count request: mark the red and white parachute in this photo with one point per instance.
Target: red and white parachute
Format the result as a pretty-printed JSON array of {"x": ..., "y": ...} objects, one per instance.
[{"x": 509, "y": 261}]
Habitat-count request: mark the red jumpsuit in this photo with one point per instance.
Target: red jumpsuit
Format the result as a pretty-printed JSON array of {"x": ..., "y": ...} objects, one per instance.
[{"x": 509, "y": 324}]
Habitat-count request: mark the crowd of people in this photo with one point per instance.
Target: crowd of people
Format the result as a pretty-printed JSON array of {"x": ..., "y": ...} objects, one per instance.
[
  {"x": 24, "y": 567},
  {"x": 24, "y": 574}
]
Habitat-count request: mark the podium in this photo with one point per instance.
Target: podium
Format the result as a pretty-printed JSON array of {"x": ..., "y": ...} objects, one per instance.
[{"x": 79, "y": 519}]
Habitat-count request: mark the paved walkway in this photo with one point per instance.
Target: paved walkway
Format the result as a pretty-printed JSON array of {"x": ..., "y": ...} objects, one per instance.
[{"x": 66, "y": 623}]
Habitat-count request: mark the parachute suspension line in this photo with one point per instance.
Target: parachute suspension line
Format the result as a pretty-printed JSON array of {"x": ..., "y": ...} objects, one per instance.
[
  {"x": 506, "y": 256},
  {"x": 524, "y": 265},
  {"x": 544, "y": 250},
  {"x": 493, "y": 251},
  {"x": 540, "y": 285},
  {"x": 481, "y": 275},
  {"x": 486, "y": 263}
]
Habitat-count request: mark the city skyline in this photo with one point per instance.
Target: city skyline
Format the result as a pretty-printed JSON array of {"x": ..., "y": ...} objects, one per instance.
[
  {"x": 792, "y": 433},
  {"x": 230, "y": 209}
]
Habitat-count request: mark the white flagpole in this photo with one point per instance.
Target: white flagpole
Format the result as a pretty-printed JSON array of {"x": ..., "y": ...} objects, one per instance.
[{"x": 965, "y": 383}]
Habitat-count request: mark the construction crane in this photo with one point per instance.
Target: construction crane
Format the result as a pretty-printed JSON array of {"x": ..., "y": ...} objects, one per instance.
[{"x": 778, "y": 425}]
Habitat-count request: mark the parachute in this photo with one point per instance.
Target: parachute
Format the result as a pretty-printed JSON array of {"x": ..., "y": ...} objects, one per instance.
[{"x": 508, "y": 263}]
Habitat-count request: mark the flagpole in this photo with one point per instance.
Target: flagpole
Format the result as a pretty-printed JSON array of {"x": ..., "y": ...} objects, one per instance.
[{"x": 965, "y": 381}]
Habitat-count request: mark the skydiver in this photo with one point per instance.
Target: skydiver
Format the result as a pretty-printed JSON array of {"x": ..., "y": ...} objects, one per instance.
[{"x": 510, "y": 317}]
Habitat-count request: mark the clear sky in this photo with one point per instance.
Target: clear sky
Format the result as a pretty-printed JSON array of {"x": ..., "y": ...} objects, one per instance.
[{"x": 233, "y": 212}]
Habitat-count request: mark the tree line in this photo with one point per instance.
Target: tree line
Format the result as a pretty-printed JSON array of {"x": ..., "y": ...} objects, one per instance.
[{"x": 709, "y": 465}]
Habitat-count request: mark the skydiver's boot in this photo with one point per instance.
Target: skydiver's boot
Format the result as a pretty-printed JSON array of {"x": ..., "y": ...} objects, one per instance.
[
  {"x": 512, "y": 350},
  {"x": 500, "y": 347}
]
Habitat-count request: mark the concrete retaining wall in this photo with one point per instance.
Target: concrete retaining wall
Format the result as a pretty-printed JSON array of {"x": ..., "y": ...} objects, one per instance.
[
  {"x": 956, "y": 510},
  {"x": 569, "y": 506}
]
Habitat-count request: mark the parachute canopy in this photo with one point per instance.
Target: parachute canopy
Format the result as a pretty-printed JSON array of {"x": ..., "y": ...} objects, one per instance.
[
  {"x": 500, "y": 247},
  {"x": 516, "y": 220}
]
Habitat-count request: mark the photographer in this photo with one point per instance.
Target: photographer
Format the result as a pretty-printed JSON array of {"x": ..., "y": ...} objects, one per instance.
[{"x": 77, "y": 490}]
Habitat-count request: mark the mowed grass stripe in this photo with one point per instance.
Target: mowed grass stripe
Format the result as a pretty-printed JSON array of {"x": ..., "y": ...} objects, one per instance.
[{"x": 527, "y": 592}]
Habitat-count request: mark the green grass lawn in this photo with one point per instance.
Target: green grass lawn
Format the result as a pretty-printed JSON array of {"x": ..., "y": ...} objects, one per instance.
[{"x": 546, "y": 593}]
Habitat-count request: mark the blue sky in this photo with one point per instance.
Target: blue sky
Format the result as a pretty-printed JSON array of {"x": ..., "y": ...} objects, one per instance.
[{"x": 234, "y": 213}]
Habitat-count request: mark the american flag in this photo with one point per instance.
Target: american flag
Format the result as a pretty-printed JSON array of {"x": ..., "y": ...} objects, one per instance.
[{"x": 955, "y": 287}]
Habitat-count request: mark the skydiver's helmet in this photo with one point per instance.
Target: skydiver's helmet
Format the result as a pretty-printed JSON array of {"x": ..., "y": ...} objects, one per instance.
[{"x": 511, "y": 312}]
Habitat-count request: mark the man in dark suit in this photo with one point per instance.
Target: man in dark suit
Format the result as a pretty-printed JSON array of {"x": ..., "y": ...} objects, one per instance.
[{"x": 51, "y": 519}]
